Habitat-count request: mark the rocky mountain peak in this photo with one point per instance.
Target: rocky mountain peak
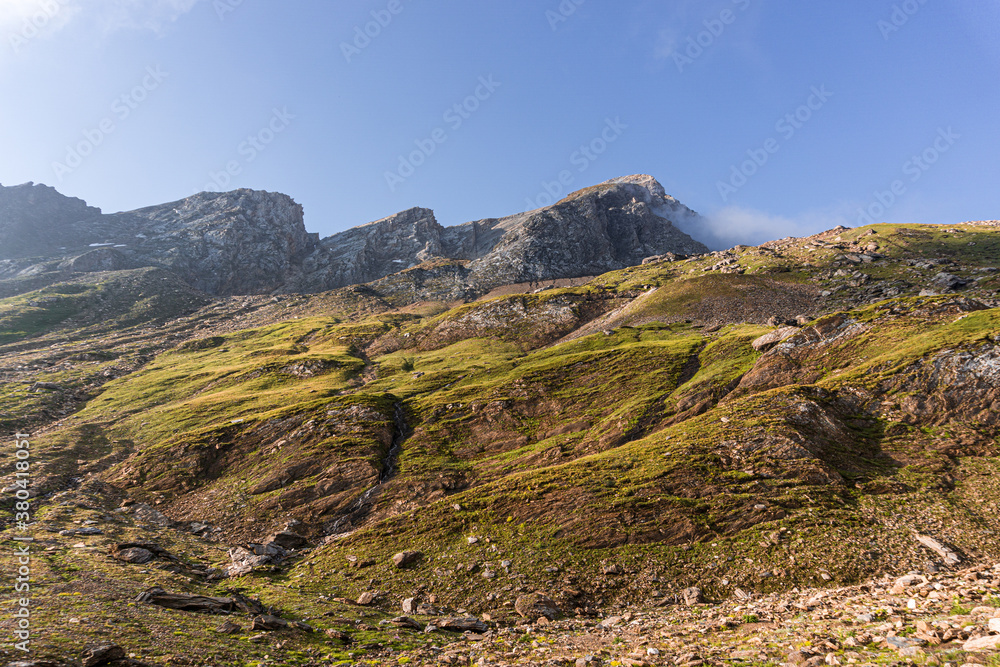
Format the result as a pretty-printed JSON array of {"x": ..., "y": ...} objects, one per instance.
[{"x": 252, "y": 242}]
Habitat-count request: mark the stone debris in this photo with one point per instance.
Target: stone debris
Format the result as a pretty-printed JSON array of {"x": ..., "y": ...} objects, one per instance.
[{"x": 866, "y": 624}]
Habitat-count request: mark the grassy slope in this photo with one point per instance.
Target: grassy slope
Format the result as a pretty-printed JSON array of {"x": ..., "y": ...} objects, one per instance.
[{"x": 674, "y": 450}]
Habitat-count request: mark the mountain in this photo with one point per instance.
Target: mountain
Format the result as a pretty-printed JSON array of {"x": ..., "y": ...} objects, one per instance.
[
  {"x": 247, "y": 242},
  {"x": 794, "y": 443}
]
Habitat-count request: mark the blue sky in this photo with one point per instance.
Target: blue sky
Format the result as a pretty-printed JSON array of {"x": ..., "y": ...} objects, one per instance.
[{"x": 770, "y": 117}]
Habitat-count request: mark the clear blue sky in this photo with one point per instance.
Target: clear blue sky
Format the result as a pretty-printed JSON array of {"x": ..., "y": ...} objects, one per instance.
[{"x": 163, "y": 94}]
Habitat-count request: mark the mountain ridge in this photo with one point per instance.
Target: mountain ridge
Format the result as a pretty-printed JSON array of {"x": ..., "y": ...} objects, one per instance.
[{"x": 254, "y": 242}]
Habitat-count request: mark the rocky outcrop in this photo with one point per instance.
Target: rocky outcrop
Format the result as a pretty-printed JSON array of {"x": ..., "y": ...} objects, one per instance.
[
  {"x": 251, "y": 242},
  {"x": 607, "y": 227},
  {"x": 240, "y": 242},
  {"x": 369, "y": 252}
]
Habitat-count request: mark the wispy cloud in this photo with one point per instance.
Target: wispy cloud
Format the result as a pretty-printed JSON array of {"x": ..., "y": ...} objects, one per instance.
[
  {"x": 30, "y": 17},
  {"x": 735, "y": 225}
]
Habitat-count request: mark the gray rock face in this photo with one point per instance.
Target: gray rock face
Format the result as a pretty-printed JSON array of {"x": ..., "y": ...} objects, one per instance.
[
  {"x": 603, "y": 228},
  {"x": 606, "y": 227},
  {"x": 251, "y": 242},
  {"x": 35, "y": 220},
  {"x": 240, "y": 242},
  {"x": 369, "y": 252}
]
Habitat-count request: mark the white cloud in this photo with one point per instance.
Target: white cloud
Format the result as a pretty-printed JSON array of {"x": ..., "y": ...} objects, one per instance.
[
  {"x": 28, "y": 18},
  {"x": 735, "y": 225},
  {"x": 33, "y": 16}
]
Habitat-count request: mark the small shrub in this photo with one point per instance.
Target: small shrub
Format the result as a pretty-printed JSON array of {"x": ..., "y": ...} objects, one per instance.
[{"x": 959, "y": 610}]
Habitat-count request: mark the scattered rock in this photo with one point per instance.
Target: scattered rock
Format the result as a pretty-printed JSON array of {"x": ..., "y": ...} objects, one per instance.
[
  {"x": 404, "y": 558},
  {"x": 406, "y": 622},
  {"x": 468, "y": 624},
  {"x": 990, "y": 643},
  {"x": 691, "y": 596},
  {"x": 201, "y": 603},
  {"x": 136, "y": 555},
  {"x": 367, "y": 598},
  {"x": 93, "y": 656},
  {"x": 229, "y": 628},
  {"x": 339, "y": 635},
  {"x": 267, "y": 623},
  {"x": 286, "y": 539},
  {"x": 536, "y": 604}
]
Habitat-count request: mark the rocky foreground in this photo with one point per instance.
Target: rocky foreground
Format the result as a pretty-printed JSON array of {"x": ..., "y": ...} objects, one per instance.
[{"x": 948, "y": 618}]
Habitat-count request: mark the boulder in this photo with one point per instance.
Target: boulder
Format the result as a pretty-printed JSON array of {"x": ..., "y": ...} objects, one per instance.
[
  {"x": 693, "y": 595},
  {"x": 536, "y": 604},
  {"x": 286, "y": 539},
  {"x": 769, "y": 340},
  {"x": 404, "y": 558},
  {"x": 201, "y": 603},
  {"x": 102, "y": 654},
  {"x": 990, "y": 643},
  {"x": 468, "y": 624},
  {"x": 267, "y": 623},
  {"x": 136, "y": 555}
]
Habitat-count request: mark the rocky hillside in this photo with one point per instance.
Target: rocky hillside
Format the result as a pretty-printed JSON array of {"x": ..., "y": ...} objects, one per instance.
[
  {"x": 783, "y": 453},
  {"x": 247, "y": 242}
]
